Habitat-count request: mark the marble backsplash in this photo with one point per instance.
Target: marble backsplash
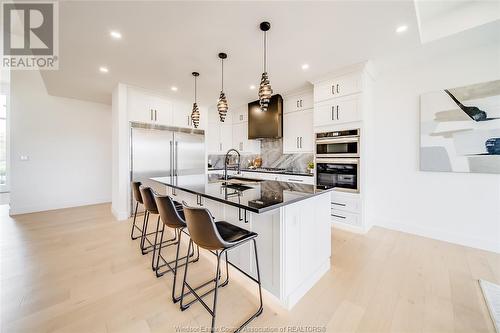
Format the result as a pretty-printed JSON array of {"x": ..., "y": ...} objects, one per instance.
[{"x": 272, "y": 157}]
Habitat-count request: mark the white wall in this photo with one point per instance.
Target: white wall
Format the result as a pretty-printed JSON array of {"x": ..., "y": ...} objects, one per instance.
[
  {"x": 68, "y": 142},
  {"x": 455, "y": 207}
]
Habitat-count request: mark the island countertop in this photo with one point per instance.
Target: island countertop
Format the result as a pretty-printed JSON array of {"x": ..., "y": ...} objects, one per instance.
[{"x": 254, "y": 195}]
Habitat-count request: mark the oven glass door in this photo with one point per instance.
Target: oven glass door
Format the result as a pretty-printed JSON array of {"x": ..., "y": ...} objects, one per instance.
[
  {"x": 337, "y": 148},
  {"x": 342, "y": 174}
]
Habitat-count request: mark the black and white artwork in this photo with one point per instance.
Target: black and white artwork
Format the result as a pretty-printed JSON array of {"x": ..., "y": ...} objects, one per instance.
[{"x": 460, "y": 129}]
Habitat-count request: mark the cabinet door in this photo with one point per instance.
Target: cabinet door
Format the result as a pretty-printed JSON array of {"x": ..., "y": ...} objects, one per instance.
[
  {"x": 213, "y": 138},
  {"x": 182, "y": 115},
  {"x": 239, "y": 136},
  {"x": 306, "y": 134},
  {"x": 337, "y": 111},
  {"x": 298, "y": 102},
  {"x": 162, "y": 111},
  {"x": 138, "y": 107},
  {"x": 291, "y": 129},
  {"x": 337, "y": 87},
  {"x": 226, "y": 137},
  {"x": 240, "y": 114}
]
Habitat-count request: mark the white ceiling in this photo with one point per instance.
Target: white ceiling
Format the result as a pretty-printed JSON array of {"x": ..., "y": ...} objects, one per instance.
[{"x": 163, "y": 42}]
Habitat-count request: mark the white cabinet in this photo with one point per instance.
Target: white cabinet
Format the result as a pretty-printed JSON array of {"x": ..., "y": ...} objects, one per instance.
[
  {"x": 337, "y": 87},
  {"x": 346, "y": 209},
  {"x": 337, "y": 111},
  {"x": 241, "y": 141},
  {"x": 219, "y": 137},
  {"x": 240, "y": 114},
  {"x": 296, "y": 179},
  {"x": 162, "y": 111},
  {"x": 297, "y": 102},
  {"x": 298, "y": 132},
  {"x": 182, "y": 115},
  {"x": 147, "y": 108}
]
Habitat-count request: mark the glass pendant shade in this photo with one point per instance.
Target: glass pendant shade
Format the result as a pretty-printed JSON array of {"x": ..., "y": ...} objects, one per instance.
[
  {"x": 265, "y": 90},
  {"x": 222, "y": 102},
  {"x": 195, "y": 114},
  {"x": 222, "y": 106}
]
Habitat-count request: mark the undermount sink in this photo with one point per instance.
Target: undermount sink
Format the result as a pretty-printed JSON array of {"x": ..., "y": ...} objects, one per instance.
[{"x": 239, "y": 181}]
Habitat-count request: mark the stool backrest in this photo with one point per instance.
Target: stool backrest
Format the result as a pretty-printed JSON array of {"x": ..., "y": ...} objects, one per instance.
[
  {"x": 136, "y": 192},
  {"x": 202, "y": 229},
  {"x": 148, "y": 199},
  {"x": 168, "y": 213}
]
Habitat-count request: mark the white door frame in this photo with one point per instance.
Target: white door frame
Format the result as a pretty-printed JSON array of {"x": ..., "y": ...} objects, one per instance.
[{"x": 5, "y": 90}]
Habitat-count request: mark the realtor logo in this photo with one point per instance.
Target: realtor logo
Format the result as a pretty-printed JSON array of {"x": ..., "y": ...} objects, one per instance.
[{"x": 30, "y": 35}]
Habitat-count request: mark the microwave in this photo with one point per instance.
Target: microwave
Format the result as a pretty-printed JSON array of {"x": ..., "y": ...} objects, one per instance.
[
  {"x": 338, "y": 144},
  {"x": 339, "y": 173}
]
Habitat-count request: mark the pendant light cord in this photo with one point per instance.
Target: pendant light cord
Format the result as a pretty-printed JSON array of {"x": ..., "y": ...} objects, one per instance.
[
  {"x": 195, "y": 89},
  {"x": 265, "y": 50},
  {"x": 222, "y": 89}
]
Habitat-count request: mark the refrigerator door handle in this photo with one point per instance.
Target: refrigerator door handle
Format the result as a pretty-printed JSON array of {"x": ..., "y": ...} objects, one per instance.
[{"x": 176, "y": 161}]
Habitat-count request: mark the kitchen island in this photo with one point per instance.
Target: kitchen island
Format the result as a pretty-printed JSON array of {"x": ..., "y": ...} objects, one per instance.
[{"x": 292, "y": 220}]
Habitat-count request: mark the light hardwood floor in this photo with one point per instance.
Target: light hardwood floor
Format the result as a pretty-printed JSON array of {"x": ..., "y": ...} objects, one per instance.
[{"x": 76, "y": 270}]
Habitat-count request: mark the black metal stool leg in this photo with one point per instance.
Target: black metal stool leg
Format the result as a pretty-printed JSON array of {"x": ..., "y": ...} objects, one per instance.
[
  {"x": 134, "y": 226},
  {"x": 217, "y": 277},
  {"x": 144, "y": 231},
  {"x": 156, "y": 243}
]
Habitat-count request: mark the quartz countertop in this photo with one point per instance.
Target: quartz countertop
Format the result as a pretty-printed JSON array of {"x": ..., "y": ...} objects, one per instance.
[
  {"x": 287, "y": 172},
  {"x": 257, "y": 196}
]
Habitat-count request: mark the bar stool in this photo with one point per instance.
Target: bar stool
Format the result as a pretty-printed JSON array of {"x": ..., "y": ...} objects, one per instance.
[
  {"x": 219, "y": 237},
  {"x": 150, "y": 208},
  {"x": 138, "y": 200},
  {"x": 172, "y": 216}
]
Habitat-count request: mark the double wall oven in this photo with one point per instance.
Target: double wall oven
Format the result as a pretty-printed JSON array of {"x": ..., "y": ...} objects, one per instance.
[{"x": 337, "y": 160}]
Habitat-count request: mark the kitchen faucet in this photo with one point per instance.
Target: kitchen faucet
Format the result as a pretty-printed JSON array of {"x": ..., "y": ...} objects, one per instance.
[{"x": 226, "y": 161}]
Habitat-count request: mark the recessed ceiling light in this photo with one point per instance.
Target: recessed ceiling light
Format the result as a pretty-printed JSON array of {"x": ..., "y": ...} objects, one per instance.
[
  {"x": 401, "y": 29},
  {"x": 173, "y": 88},
  {"x": 252, "y": 87},
  {"x": 305, "y": 66},
  {"x": 103, "y": 69},
  {"x": 115, "y": 34}
]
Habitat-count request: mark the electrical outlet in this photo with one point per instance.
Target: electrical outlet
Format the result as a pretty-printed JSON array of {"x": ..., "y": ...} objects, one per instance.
[{"x": 24, "y": 158}]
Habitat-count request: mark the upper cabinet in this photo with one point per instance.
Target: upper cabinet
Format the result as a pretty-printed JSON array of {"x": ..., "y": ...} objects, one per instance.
[
  {"x": 145, "y": 107},
  {"x": 240, "y": 114},
  {"x": 338, "y": 110},
  {"x": 337, "y": 87},
  {"x": 297, "y": 102},
  {"x": 298, "y": 123}
]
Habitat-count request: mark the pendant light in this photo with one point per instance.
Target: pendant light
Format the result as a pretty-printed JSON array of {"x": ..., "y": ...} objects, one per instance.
[
  {"x": 222, "y": 102},
  {"x": 265, "y": 90},
  {"x": 195, "y": 115}
]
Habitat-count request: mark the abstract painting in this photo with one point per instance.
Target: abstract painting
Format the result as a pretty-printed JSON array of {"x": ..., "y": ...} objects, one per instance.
[{"x": 460, "y": 129}]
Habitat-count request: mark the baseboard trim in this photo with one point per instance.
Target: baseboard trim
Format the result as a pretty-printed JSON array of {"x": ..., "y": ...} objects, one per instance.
[
  {"x": 120, "y": 216},
  {"x": 15, "y": 210},
  {"x": 433, "y": 233}
]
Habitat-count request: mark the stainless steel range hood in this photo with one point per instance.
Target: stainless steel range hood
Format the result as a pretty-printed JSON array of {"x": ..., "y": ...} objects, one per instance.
[{"x": 266, "y": 125}]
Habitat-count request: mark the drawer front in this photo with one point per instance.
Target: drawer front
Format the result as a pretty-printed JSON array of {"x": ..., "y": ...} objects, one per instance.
[
  {"x": 297, "y": 179},
  {"x": 341, "y": 86},
  {"x": 346, "y": 217},
  {"x": 346, "y": 203}
]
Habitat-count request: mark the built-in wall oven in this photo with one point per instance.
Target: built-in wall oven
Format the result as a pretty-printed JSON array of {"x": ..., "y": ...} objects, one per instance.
[
  {"x": 337, "y": 144},
  {"x": 337, "y": 160}
]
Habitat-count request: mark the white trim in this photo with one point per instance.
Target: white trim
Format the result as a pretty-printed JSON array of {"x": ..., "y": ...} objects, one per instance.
[
  {"x": 350, "y": 228},
  {"x": 437, "y": 234},
  {"x": 120, "y": 216},
  {"x": 14, "y": 210}
]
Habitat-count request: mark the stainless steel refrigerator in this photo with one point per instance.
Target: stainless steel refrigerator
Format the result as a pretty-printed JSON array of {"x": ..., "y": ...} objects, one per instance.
[{"x": 161, "y": 151}]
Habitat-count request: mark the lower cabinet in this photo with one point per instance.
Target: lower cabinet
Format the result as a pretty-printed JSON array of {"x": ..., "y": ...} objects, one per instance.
[{"x": 346, "y": 210}]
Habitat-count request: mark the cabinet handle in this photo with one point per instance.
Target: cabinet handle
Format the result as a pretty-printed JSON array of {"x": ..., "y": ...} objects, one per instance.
[
  {"x": 156, "y": 115},
  {"x": 297, "y": 143},
  {"x": 300, "y": 103},
  {"x": 337, "y": 88},
  {"x": 338, "y": 204},
  {"x": 337, "y": 112},
  {"x": 188, "y": 120},
  {"x": 333, "y": 110},
  {"x": 297, "y": 103},
  {"x": 341, "y": 217},
  {"x": 300, "y": 142},
  {"x": 295, "y": 180},
  {"x": 220, "y": 146},
  {"x": 333, "y": 89},
  {"x": 151, "y": 114}
]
